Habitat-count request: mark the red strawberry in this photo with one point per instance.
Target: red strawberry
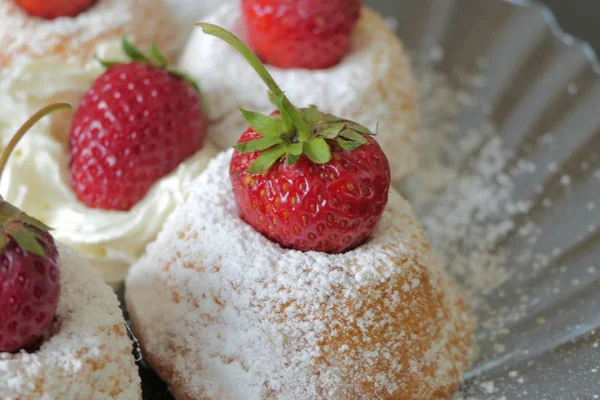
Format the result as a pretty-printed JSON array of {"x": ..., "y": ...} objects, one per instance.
[
  {"x": 51, "y": 9},
  {"x": 311, "y": 34},
  {"x": 29, "y": 268},
  {"x": 30, "y": 284},
  {"x": 328, "y": 207},
  {"x": 135, "y": 125},
  {"x": 305, "y": 179}
]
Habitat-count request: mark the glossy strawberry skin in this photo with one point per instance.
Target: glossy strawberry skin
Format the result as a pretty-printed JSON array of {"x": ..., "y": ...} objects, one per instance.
[
  {"x": 135, "y": 125},
  {"x": 310, "y": 34},
  {"x": 29, "y": 293},
  {"x": 329, "y": 208},
  {"x": 51, "y": 9}
]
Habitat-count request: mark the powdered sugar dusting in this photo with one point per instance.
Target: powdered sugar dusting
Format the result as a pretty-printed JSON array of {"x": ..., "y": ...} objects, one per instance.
[
  {"x": 460, "y": 191},
  {"x": 485, "y": 201},
  {"x": 89, "y": 24},
  {"x": 87, "y": 354},
  {"x": 24, "y": 37},
  {"x": 235, "y": 316}
]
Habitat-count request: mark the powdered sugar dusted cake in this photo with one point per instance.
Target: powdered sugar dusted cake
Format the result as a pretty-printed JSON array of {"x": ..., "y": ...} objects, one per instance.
[
  {"x": 87, "y": 354},
  {"x": 223, "y": 313},
  {"x": 24, "y": 37},
  {"x": 373, "y": 85}
]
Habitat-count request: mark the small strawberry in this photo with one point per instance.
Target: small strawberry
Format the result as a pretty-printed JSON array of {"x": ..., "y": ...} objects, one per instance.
[
  {"x": 311, "y": 34},
  {"x": 136, "y": 124},
  {"x": 29, "y": 267},
  {"x": 305, "y": 179},
  {"x": 51, "y": 9}
]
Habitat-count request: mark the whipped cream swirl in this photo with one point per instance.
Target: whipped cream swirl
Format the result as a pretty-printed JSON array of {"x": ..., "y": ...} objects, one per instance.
[{"x": 37, "y": 178}]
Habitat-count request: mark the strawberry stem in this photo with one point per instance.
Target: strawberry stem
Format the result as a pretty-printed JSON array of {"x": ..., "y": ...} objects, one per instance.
[
  {"x": 25, "y": 128},
  {"x": 298, "y": 121}
]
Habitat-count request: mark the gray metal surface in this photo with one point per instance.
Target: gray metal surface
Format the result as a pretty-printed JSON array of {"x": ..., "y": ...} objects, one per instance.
[{"x": 539, "y": 81}]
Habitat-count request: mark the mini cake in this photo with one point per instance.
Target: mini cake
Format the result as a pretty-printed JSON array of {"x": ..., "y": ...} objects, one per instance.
[
  {"x": 38, "y": 178},
  {"x": 62, "y": 333},
  {"x": 86, "y": 353},
  {"x": 25, "y": 37},
  {"x": 285, "y": 276},
  {"x": 223, "y": 313},
  {"x": 373, "y": 85}
]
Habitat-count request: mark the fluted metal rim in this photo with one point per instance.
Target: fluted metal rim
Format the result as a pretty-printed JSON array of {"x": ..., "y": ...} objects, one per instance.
[{"x": 559, "y": 32}]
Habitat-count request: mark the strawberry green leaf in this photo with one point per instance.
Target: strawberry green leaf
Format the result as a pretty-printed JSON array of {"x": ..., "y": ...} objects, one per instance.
[
  {"x": 35, "y": 223},
  {"x": 107, "y": 63},
  {"x": 332, "y": 131},
  {"x": 258, "y": 144},
  {"x": 291, "y": 159},
  {"x": 353, "y": 135},
  {"x": 294, "y": 153},
  {"x": 296, "y": 149},
  {"x": 266, "y": 126},
  {"x": 273, "y": 98},
  {"x": 358, "y": 128},
  {"x": 317, "y": 150},
  {"x": 27, "y": 241},
  {"x": 157, "y": 56},
  {"x": 347, "y": 145},
  {"x": 10, "y": 213},
  {"x": 3, "y": 242},
  {"x": 331, "y": 118},
  {"x": 187, "y": 78},
  {"x": 312, "y": 114},
  {"x": 267, "y": 159},
  {"x": 132, "y": 52}
]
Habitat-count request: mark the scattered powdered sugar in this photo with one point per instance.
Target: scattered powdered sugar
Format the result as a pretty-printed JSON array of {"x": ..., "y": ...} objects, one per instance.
[
  {"x": 486, "y": 204},
  {"x": 87, "y": 354},
  {"x": 235, "y": 316},
  {"x": 464, "y": 195},
  {"x": 488, "y": 387},
  {"x": 449, "y": 197}
]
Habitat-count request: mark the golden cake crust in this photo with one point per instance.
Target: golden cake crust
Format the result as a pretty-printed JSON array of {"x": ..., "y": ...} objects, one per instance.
[{"x": 221, "y": 312}]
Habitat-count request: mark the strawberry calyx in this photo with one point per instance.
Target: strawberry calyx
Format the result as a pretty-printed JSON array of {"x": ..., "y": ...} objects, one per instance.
[
  {"x": 25, "y": 230},
  {"x": 156, "y": 58},
  {"x": 22, "y": 228},
  {"x": 293, "y": 131}
]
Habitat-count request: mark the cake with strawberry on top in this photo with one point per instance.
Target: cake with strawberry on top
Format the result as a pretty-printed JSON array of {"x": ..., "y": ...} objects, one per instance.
[
  {"x": 337, "y": 55},
  {"x": 292, "y": 271},
  {"x": 62, "y": 333},
  {"x": 74, "y": 30},
  {"x": 110, "y": 176}
]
